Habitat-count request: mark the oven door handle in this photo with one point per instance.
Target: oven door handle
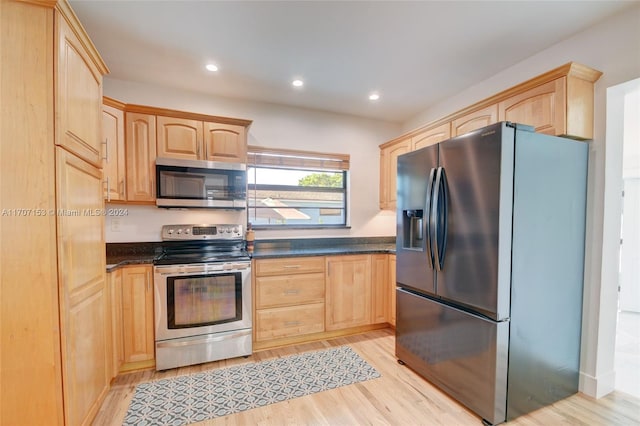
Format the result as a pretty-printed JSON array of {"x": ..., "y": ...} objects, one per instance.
[{"x": 226, "y": 336}]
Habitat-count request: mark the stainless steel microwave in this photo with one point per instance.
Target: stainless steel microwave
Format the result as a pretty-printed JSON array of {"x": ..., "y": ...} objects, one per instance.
[{"x": 198, "y": 183}]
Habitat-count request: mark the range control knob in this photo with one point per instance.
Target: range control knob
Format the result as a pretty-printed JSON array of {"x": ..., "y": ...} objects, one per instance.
[
  {"x": 170, "y": 231},
  {"x": 179, "y": 231}
]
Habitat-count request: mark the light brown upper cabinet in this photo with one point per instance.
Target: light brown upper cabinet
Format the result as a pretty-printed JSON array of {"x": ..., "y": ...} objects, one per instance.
[
  {"x": 561, "y": 107},
  {"x": 541, "y": 107},
  {"x": 113, "y": 163},
  {"x": 431, "y": 136},
  {"x": 225, "y": 142},
  {"x": 201, "y": 140},
  {"x": 140, "y": 143},
  {"x": 179, "y": 138},
  {"x": 559, "y": 102},
  {"x": 78, "y": 96},
  {"x": 474, "y": 120},
  {"x": 388, "y": 170}
]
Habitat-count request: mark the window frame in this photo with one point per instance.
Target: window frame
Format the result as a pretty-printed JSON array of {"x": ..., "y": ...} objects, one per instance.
[{"x": 286, "y": 159}]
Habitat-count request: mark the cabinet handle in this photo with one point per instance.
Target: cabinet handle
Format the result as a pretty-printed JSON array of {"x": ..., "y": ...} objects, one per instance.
[
  {"x": 291, "y": 323},
  {"x": 148, "y": 280},
  {"x": 291, "y": 266},
  {"x": 204, "y": 147},
  {"x": 106, "y": 149},
  {"x": 198, "y": 149},
  {"x": 121, "y": 189},
  {"x": 292, "y": 291}
]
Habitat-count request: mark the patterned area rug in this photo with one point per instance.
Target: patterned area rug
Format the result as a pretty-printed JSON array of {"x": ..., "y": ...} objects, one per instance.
[{"x": 197, "y": 397}]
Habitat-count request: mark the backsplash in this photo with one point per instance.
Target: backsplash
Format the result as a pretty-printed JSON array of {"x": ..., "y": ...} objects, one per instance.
[{"x": 142, "y": 223}]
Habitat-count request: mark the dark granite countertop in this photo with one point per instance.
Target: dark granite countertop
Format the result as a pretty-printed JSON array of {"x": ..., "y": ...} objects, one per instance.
[
  {"x": 323, "y": 246},
  {"x": 123, "y": 254},
  {"x": 116, "y": 262}
]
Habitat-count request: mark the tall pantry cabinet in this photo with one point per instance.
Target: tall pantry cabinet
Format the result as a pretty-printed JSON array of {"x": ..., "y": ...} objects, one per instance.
[{"x": 53, "y": 328}]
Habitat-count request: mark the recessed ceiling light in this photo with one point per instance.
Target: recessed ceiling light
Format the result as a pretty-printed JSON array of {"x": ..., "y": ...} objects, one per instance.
[
  {"x": 211, "y": 67},
  {"x": 374, "y": 97},
  {"x": 297, "y": 83}
]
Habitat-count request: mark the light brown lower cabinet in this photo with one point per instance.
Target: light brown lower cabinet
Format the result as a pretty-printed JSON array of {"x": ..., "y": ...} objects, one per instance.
[
  {"x": 307, "y": 298},
  {"x": 392, "y": 282},
  {"x": 380, "y": 288},
  {"x": 137, "y": 317},
  {"x": 349, "y": 294},
  {"x": 289, "y": 297},
  {"x": 116, "y": 347}
]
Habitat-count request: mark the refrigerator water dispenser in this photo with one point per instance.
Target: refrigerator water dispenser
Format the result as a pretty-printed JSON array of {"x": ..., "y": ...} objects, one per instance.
[{"x": 412, "y": 229}]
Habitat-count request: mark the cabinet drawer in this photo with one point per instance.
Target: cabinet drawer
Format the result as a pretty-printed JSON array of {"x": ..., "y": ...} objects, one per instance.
[
  {"x": 289, "y": 265},
  {"x": 289, "y": 321},
  {"x": 283, "y": 290}
]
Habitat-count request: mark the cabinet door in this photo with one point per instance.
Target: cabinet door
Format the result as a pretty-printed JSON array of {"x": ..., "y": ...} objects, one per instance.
[
  {"x": 179, "y": 138},
  {"x": 389, "y": 171},
  {"x": 78, "y": 96},
  {"x": 225, "y": 142},
  {"x": 392, "y": 281},
  {"x": 113, "y": 164},
  {"x": 81, "y": 276},
  {"x": 474, "y": 120},
  {"x": 137, "y": 314},
  {"x": 348, "y": 292},
  {"x": 379, "y": 288},
  {"x": 431, "y": 136},
  {"x": 541, "y": 107},
  {"x": 30, "y": 363},
  {"x": 140, "y": 144},
  {"x": 115, "y": 292}
]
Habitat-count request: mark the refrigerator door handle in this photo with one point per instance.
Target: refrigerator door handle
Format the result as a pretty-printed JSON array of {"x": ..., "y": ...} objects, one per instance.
[
  {"x": 427, "y": 221},
  {"x": 439, "y": 217}
]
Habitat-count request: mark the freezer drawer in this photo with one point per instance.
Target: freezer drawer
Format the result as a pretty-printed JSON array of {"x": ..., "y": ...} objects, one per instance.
[{"x": 463, "y": 354}]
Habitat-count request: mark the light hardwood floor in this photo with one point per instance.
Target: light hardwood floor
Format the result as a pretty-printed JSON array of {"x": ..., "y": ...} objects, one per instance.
[{"x": 399, "y": 397}]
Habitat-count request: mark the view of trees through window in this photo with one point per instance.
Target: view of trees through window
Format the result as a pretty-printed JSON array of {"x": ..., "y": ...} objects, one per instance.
[{"x": 281, "y": 197}]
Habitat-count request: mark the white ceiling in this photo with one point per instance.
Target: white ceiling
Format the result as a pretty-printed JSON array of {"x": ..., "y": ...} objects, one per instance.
[{"x": 413, "y": 53}]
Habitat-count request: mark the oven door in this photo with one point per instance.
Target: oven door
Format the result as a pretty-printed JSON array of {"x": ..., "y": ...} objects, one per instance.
[{"x": 199, "y": 299}]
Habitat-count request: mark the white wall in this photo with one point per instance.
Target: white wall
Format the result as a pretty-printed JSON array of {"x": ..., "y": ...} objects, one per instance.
[
  {"x": 273, "y": 126},
  {"x": 613, "y": 47},
  {"x": 629, "y": 298}
]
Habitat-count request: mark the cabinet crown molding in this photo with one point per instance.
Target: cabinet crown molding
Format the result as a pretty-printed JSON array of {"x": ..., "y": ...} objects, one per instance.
[
  {"x": 113, "y": 103},
  {"x": 150, "y": 110}
]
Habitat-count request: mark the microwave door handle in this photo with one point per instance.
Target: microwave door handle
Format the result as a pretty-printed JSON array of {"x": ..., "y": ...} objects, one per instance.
[{"x": 426, "y": 218}]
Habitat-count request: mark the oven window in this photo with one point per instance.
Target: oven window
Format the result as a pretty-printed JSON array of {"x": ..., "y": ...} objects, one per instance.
[{"x": 199, "y": 300}]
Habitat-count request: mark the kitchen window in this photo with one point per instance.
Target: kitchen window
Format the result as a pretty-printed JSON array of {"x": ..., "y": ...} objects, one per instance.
[{"x": 297, "y": 189}]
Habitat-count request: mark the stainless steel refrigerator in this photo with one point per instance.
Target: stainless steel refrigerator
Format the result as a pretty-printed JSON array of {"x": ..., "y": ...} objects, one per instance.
[{"x": 490, "y": 257}]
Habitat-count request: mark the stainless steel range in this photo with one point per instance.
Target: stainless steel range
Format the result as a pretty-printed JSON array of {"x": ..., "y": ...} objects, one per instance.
[{"x": 202, "y": 290}]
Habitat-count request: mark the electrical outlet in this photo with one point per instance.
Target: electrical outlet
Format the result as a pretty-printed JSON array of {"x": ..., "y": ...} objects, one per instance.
[{"x": 115, "y": 224}]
